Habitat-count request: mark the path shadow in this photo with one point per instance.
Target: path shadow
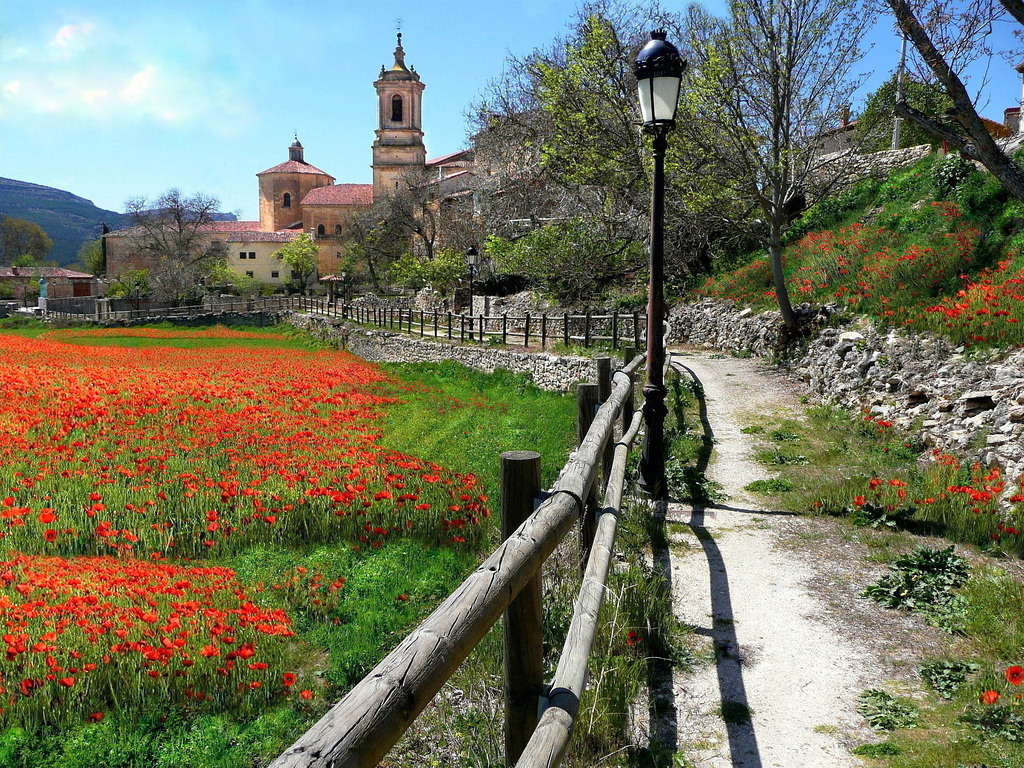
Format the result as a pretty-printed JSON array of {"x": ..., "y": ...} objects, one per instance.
[{"x": 736, "y": 711}]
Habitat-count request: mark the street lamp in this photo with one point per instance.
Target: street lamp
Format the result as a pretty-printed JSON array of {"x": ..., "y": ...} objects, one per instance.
[
  {"x": 138, "y": 292},
  {"x": 344, "y": 288},
  {"x": 659, "y": 72},
  {"x": 471, "y": 259}
]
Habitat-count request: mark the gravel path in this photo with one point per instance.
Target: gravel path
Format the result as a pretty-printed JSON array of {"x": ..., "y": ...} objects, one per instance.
[{"x": 781, "y": 689}]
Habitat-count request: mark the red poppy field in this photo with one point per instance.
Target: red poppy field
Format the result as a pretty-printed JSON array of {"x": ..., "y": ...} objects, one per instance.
[{"x": 128, "y": 476}]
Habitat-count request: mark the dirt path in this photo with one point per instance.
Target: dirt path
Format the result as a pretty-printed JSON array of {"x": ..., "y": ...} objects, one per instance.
[{"x": 781, "y": 689}]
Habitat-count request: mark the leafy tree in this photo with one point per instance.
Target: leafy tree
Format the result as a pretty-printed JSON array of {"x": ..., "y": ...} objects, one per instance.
[
  {"x": 768, "y": 82},
  {"x": 91, "y": 256},
  {"x": 875, "y": 122},
  {"x": 302, "y": 255},
  {"x": 22, "y": 242},
  {"x": 946, "y": 36},
  {"x": 131, "y": 283},
  {"x": 173, "y": 232},
  {"x": 442, "y": 273},
  {"x": 566, "y": 259},
  {"x": 559, "y": 133}
]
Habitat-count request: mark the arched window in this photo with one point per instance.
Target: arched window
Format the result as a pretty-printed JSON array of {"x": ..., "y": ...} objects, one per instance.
[
  {"x": 396, "y": 108},
  {"x": 287, "y": 201},
  {"x": 337, "y": 229},
  {"x": 321, "y": 230}
]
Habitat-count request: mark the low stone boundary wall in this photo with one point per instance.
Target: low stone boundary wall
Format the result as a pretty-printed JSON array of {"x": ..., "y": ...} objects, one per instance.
[
  {"x": 551, "y": 372},
  {"x": 971, "y": 405}
]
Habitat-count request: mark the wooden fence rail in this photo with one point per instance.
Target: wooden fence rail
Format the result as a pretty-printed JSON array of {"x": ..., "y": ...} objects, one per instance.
[
  {"x": 543, "y": 331},
  {"x": 369, "y": 720},
  {"x": 550, "y": 738}
]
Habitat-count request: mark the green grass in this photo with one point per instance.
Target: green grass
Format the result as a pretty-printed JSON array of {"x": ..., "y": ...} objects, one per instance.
[{"x": 445, "y": 403}]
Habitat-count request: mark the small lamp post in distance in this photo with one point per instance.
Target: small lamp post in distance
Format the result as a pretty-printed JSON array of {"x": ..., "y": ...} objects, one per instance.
[
  {"x": 471, "y": 259},
  {"x": 659, "y": 73}
]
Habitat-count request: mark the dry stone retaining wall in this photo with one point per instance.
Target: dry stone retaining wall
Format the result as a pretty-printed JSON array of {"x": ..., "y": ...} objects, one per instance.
[
  {"x": 551, "y": 372},
  {"x": 972, "y": 405}
]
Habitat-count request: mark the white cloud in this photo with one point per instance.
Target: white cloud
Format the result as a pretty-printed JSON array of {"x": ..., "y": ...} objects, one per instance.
[
  {"x": 139, "y": 85},
  {"x": 71, "y": 32},
  {"x": 101, "y": 73}
]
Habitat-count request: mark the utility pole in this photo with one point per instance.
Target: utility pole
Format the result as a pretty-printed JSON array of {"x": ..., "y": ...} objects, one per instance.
[{"x": 898, "y": 121}]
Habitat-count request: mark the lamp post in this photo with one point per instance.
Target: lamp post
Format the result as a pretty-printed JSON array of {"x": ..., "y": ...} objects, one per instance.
[
  {"x": 471, "y": 257},
  {"x": 659, "y": 71},
  {"x": 138, "y": 295}
]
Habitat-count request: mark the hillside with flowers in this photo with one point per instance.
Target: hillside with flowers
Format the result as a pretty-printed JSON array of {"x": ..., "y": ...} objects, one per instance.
[{"x": 935, "y": 247}]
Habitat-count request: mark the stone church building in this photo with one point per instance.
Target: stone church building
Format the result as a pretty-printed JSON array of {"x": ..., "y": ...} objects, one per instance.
[{"x": 297, "y": 197}]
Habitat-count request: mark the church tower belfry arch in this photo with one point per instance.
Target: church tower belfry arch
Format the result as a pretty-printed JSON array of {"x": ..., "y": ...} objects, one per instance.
[{"x": 398, "y": 147}]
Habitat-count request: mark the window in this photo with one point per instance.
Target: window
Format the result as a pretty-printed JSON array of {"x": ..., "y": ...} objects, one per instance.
[
  {"x": 337, "y": 229},
  {"x": 252, "y": 255},
  {"x": 242, "y": 255},
  {"x": 396, "y": 109},
  {"x": 249, "y": 274},
  {"x": 321, "y": 229},
  {"x": 275, "y": 274},
  {"x": 287, "y": 201}
]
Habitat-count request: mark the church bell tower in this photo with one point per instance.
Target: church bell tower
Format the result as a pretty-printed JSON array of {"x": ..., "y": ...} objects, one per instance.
[{"x": 398, "y": 147}]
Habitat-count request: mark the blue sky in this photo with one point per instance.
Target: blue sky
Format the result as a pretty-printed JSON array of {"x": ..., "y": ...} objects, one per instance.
[{"x": 110, "y": 99}]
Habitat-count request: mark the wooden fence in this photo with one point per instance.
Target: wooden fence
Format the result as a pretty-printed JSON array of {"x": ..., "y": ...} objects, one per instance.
[
  {"x": 370, "y": 719},
  {"x": 98, "y": 310},
  {"x": 543, "y": 330},
  {"x": 538, "y": 331}
]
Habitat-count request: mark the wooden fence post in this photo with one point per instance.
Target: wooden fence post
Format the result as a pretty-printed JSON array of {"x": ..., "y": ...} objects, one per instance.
[
  {"x": 586, "y": 406},
  {"x": 604, "y": 391},
  {"x": 628, "y": 353},
  {"x": 449, "y": 325},
  {"x": 524, "y": 646},
  {"x": 565, "y": 330},
  {"x": 615, "y": 329},
  {"x": 586, "y": 331},
  {"x": 526, "y": 332},
  {"x": 543, "y": 331},
  {"x": 636, "y": 330},
  {"x": 504, "y": 328}
]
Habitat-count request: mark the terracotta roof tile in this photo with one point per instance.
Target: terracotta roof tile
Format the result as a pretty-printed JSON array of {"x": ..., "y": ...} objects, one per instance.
[
  {"x": 48, "y": 272},
  {"x": 284, "y": 236},
  {"x": 451, "y": 157},
  {"x": 294, "y": 166},
  {"x": 340, "y": 194}
]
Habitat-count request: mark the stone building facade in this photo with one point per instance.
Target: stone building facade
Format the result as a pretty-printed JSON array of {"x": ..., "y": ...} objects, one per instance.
[{"x": 296, "y": 197}]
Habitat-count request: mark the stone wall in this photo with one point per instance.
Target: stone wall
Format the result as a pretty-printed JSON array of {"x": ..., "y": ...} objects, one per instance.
[
  {"x": 550, "y": 372},
  {"x": 971, "y": 405}
]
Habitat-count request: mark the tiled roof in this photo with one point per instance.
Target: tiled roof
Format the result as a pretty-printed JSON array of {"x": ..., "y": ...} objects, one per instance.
[
  {"x": 284, "y": 236},
  {"x": 294, "y": 166},
  {"x": 214, "y": 227},
  {"x": 233, "y": 226},
  {"x": 453, "y": 156},
  {"x": 48, "y": 272},
  {"x": 340, "y": 194}
]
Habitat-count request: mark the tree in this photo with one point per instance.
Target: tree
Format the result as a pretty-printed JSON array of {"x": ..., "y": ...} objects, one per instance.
[
  {"x": 22, "y": 242},
  {"x": 944, "y": 46},
  {"x": 91, "y": 256},
  {"x": 875, "y": 121},
  {"x": 302, "y": 255},
  {"x": 559, "y": 136},
  {"x": 767, "y": 84},
  {"x": 173, "y": 232}
]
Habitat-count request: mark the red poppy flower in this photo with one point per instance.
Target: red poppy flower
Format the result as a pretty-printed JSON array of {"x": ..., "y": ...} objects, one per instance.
[
  {"x": 307, "y": 694},
  {"x": 49, "y": 535},
  {"x": 990, "y": 697},
  {"x": 1015, "y": 675},
  {"x": 288, "y": 678}
]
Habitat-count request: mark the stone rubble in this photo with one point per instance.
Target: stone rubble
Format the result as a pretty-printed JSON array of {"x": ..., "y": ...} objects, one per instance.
[{"x": 969, "y": 404}]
